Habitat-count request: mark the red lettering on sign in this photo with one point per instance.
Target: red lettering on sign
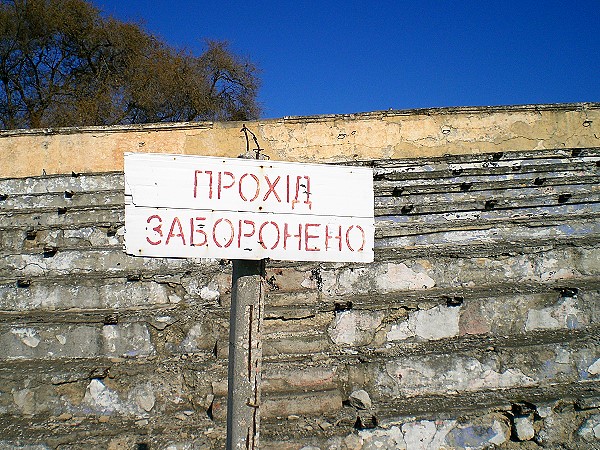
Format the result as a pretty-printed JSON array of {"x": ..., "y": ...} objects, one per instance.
[
  {"x": 308, "y": 236},
  {"x": 260, "y": 235},
  {"x": 329, "y": 236},
  {"x": 196, "y": 172},
  {"x": 210, "y": 182},
  {"x": 214, "y": 236},
  {"x": 362, "y": 245},
  {"x": 221, "y": 186},
  {"x": 272, "y": 188},
  {"x": 157, "y": 228},
  {"x": 197, "y": 229},
  {"x": 287, "y": 235},
  {"x": 257, "y": 193},
  {"x": 240, "y": 234},
  {"x": 284, "y": 237},
  {"x": 180, "y": 234},
  {"x": 297, "y": 192},
  {"x": 306, "y": 192},
  {"x": 307, "y": 201}
]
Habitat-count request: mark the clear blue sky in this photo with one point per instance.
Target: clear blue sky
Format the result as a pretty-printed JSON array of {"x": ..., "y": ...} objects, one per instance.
[{"x": 336, "y": 57}]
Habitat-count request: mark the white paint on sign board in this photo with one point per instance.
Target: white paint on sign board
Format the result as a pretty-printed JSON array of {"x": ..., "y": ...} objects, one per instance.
[{"x": 206, "y": 207}]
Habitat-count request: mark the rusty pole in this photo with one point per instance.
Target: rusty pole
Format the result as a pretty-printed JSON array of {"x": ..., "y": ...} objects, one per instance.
[
  {"x": 245, "y": 354},
  {"x": 245, "y": 343}
]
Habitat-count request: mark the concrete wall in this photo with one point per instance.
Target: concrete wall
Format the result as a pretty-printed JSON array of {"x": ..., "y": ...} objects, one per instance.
[
  {"x": 477, "y": 324},
  {"x": 377, "y": 135}
]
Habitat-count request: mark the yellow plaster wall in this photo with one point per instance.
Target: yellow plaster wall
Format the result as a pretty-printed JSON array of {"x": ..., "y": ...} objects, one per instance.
[{"x": 376, "y": 135}]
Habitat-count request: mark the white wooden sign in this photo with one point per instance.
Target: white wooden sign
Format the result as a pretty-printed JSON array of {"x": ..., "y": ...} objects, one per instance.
[{"x": 205, "y": 207}]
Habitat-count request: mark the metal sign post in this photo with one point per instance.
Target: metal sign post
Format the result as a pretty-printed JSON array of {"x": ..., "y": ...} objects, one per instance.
[
  {"x": 245, "y": 347},
  {"x": 245, "y": 354}
]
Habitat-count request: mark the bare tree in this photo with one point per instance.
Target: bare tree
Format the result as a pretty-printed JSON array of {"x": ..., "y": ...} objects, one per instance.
[{"x": 63, "y": 64}]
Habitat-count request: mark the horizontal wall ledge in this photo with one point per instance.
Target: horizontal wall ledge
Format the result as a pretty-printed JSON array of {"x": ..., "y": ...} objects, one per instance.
[{"x": 330, "y": 138}]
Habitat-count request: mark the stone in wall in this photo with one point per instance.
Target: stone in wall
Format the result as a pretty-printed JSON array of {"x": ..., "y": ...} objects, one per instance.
[
  {"x": 487, "y": 431},
  {"x": 431, "y": 324},
  {"x": 380, "y": 278},
  {"x": 84, "y": 293},
  {"x": 590, "y": 429},
  {"x": 76, "y": 341},
  {"x": 565, "y": 314},
  {"x": 479, "y": 433},
  {"x": 101, "y": 399},
  {"x": 354, "y": 328},
  {"x": 445, "y": 374},
  {"x": 127, "y": 340},
  {"x": 198, "y": 338}
]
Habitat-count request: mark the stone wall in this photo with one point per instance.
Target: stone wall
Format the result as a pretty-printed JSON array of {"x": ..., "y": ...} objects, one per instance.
[
  {"x": 477, "y": 324},
  {"x": 351, "y": 137}
]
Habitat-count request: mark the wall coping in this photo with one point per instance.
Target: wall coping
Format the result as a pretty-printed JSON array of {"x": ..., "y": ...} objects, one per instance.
[
  {"x": 306, "y": 119},
  {"x": 388, "y": 134}
]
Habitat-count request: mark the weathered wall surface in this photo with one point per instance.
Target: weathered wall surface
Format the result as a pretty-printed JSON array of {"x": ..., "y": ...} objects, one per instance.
[
  {"x": 477, "y": 324},
  {"x": 367, "y": 136}
]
